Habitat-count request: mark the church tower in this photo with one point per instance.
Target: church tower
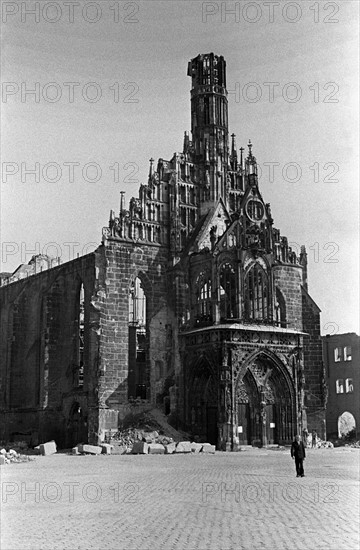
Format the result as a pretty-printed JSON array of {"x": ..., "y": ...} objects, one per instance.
[{"x": 209, "y": 126}]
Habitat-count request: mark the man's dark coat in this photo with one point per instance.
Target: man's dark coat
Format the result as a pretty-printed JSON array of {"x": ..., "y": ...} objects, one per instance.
[{"x": 298, "y": 450}]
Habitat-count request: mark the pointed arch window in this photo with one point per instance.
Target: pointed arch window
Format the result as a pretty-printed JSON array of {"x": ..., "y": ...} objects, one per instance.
[
  {"x": 79, "y": 356},
  {"x": 280, "y": 309},
  {"x": 203, "y": 296},
  {"x": 228, "y": 305},
  {"x": 256, "y": 293},
  {"x": 137, "y": 304},
  {"x": 137, "y": 342}
]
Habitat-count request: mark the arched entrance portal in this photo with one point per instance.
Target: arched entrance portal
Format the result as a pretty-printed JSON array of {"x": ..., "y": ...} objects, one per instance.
[
  {"x": 346, "y": 424},
  {"x": 264, "y": 403},
  {"x": 202, "y": 409}
]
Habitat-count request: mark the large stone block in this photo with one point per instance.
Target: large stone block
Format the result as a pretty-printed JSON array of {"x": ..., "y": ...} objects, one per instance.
[
  {"x": 156, "y": 449},
  {"x": 207, "y": 448},
  {"x": 150, "y": 437},
  {"x": 140, "y": 448},
  {"x": 48, "y": 448},
  {"x": 106, "y": 448},
  {"x": 196, "y": 447},
  {"x": 2, "y": 460},
  {"x": 90, "y": 449},
  {"x": 119, "y": 449},
  {"x": 183, "y": 447},
  {"x": 170, "y": 448}
]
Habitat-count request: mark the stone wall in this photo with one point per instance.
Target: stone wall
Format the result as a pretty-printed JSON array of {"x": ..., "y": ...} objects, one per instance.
[
  {"x": 313, "y": 367},
  {"x": 39, "y": 332},
  {"x": 122, "y": 263},
  {"x": 288, "y": 278},
  {"x": 338, "y": 403}
]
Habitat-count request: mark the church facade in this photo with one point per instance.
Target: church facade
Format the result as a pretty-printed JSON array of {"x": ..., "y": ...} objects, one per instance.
[{"x": 193, "y": 301}]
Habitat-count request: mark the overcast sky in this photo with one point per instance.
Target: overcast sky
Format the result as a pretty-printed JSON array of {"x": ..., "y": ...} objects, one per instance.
[{"x": 113, "y": 91}]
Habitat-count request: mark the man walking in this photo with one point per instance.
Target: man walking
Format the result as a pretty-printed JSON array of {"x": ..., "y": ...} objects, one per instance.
[{"x": 298, "y": 452}]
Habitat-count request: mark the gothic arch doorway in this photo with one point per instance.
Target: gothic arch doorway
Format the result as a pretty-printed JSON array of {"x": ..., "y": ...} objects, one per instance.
[
  {"x": 264, "y": 401},
  {"x": 346, "y": 424}
]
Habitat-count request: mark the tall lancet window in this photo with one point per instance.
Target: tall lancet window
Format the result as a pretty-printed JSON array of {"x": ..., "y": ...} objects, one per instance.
[
  {"x": 137, "y": 304},
  {"x": 137, "y": 350},
  {"x": 203, "y": 296},
  {"x": 80, "y": 344},
  {"x": 256, "y": 294},
  {"x": 280, "y": 309},
  {"x": 228, "y": 305}
]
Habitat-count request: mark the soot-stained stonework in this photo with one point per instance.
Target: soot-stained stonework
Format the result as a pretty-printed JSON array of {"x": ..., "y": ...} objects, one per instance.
[{"x": 194, "y": 302}]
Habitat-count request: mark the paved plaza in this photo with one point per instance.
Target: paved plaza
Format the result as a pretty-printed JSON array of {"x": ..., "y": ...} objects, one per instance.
[{"x": 246, "y": 500}]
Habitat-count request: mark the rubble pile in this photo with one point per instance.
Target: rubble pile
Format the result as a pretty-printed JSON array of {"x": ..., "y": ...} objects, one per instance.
[
  {"x": 355, "y": 444},
  {"x": 11, "y": 455},
  {"x": 324, "y": 444},
  {"x": 130, "y": 436},
  {"x": 320, "y": 443},
  {"x": 148, "y": 433},
  {"x": 144, "y": 446}
]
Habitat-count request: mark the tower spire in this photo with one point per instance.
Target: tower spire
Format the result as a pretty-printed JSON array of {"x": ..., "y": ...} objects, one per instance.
[
  {"x": 251, "y": 167},
  {"x": 209, "y": 123},
  {"x": 186, "y": 142},
  {"x": 250, "y": 148},
  {"x": 122, "y": 201},
  {"x": 151, "y": 169},
  {"x": 234, "y": 158}
]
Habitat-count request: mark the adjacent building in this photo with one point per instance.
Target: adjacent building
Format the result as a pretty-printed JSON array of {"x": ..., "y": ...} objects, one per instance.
[
  {"x": 193, "y": 301},
  {"x": 342, "y": 363}
]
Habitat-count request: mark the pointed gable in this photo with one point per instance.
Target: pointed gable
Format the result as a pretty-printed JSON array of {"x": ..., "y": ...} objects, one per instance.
[
  {"x": 231, "y": 238},
  {"x": 213, "y": 226}
]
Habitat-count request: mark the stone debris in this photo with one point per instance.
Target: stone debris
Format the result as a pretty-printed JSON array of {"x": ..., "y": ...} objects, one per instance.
[
  {"x": 48, "y": 448},
  {"x": 118, "y": 449},
  {"x": 156, "y": 449},
  {"x": 354, "y": 445},
  {"x": 170, "y": 448},
  {"x": 183, "y": 447},
  {"x": 89, "y": 449},
  {"x": 140, "y": 448},
  {"x": 196, "y": 447},
  {"x": 106, "y": 448},
  {"x": 207, "y": 448},
  {"x": 324, "y": 445},
  {"x": 11, "y": 456},
  {"x": 124, "y": 441},
  {"x": 147, "y": 433},
  {"x": 151, "y": 436}
]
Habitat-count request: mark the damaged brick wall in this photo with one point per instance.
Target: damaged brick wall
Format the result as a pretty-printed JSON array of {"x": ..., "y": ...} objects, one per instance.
[
  {"x": 314, "y": 382},
  {"x": 288, "y": 279},
  {"x": 123, "y": 262},
  {"x": 39, "y": 331}
]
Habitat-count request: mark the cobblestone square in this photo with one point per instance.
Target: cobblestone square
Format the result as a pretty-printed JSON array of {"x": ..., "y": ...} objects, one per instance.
[{"x": 246, "y": 500}]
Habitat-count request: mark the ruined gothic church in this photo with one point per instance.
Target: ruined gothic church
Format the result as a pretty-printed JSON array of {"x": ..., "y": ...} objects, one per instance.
[{"x": 193, "y": 301}]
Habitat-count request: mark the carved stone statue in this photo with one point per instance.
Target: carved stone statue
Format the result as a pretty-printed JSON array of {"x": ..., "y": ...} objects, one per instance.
[
  {"x": 135, "y": 208},
  {"x": 228, "y": 404},
  {"x": 213, "y": 231}
]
